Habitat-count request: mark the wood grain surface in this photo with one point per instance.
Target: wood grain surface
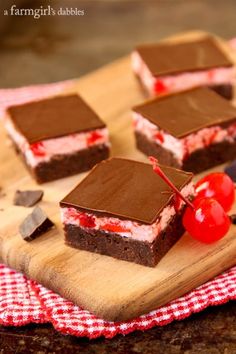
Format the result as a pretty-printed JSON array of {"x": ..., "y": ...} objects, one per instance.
[{"x": 112, "y": 289}]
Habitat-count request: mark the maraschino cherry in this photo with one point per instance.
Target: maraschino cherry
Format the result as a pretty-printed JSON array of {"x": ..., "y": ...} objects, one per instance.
[
  {"x": 217, "y": 185},
  {"x": 207, "y": 222},
  {"x": 204, "y": 218}
]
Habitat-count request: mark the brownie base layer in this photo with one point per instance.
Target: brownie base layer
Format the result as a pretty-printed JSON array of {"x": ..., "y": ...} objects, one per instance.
[
  {"x": 213, "y": 155},
  {"x": 225, "y": 91},
  {"x": 67, "y": 165},
  {"x": 126, "y": 249},
  {"x": 197, "y": 162},
  {"x": 150, "y": 148}
]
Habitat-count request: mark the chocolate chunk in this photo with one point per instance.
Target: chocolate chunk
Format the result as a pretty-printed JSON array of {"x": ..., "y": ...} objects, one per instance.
[
  {"x": 35, "y": 224},
  {"x": 27, "y": 198},
  {"x": 231, "y": 170},
  {"x": 233, "y": 218}
]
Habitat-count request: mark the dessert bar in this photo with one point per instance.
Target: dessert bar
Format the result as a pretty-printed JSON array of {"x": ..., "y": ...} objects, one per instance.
[
  {"x": 124, "y": 210},
  {"x": 165, "y": 68},
  {"x": 57, "y": 137},
  {"x": 192, "y": 130}
]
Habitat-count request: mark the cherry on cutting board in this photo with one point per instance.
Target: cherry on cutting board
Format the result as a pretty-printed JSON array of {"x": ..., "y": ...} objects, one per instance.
[
  {"x": 217, "y": 185},
  {"x": 204, "y": 218},
  {"x": 207, "y": 222}
]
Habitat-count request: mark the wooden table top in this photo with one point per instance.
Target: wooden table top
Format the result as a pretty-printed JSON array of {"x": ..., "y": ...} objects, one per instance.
[{"x": 58, "y": 48}]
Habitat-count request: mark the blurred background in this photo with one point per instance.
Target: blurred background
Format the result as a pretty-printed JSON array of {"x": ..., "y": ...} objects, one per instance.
[{"x": 54, "y": 48}]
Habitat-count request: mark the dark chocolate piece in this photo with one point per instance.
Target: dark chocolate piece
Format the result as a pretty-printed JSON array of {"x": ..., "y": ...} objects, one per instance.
[
  {"x": 27, "y": 198},
  {"x": 186, "y": 112},
  {"x": 125, "y": 248},
  {"x": 198, "y": 161},
  {"x": 233, "y": 219},
  {"x": 35, "y": 224},
  {"x": 231, "y": 170},
  {"x": 173, "y": 58},
  {"x": 125, "y": 189},
  {"x": 54, "y": 117}
]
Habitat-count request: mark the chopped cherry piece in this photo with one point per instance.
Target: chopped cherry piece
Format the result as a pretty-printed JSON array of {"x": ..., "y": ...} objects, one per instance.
[
  {"x": 208, "y": 222},
  {"x": 160, "y": 87},
  {"x": 114, "y": 228},
  {"x": 159, "y": 136},
  {"x": 93, "y": 137},
  {"x": 211, "y": 138},
  {"x": 210, "y": 74},
  {"x": 86, "y": 220},
  {"x": 232, "y": 129},
  {"x": 217, "y": 185},
  {"x": 38, "y": 149},
  {"x": 186, "y": 151}
]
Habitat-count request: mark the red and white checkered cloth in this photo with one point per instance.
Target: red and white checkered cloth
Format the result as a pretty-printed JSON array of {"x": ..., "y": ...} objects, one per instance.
[
  {"x": 20, "y": 95},
  {"x": 24, "y": 301}
]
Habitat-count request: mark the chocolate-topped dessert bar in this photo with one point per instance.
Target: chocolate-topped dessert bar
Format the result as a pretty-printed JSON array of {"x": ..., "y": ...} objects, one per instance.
[
  {"x": 192, "y": 130},
  {"x": 57, "y": 137},
  {"x": 164, "y": 68},
  {"x": 124, "y": 210}
]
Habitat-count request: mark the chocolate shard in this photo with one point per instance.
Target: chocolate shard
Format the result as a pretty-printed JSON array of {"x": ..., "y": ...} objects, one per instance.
[
  {"x": 35, "y": 224},
  {"x": 27, "y": 198},
  {"x": 233, "y": 219},
  {"x": 231, "y": 170}
]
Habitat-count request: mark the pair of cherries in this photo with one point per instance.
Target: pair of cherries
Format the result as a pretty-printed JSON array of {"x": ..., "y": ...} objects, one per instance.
[{"x": 205, "y": 218}]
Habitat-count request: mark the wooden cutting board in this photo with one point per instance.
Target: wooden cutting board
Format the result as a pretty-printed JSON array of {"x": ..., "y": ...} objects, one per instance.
[{"x": 112, "y": 289}]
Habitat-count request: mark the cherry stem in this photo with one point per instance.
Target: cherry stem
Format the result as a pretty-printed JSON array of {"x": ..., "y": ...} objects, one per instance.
[{"x": 160, "y": 173}]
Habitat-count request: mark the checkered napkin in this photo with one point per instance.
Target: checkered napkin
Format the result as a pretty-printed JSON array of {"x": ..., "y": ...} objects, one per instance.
[
  {"x": 20, "y": 95},
  {"x": 24, "y": 301}
]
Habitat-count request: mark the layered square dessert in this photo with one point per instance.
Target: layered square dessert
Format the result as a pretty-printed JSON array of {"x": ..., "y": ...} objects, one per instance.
[
  {"x": 57, "y": 137},
  {"x": 193, "y": 130},
  {"x": 164, "y": 68},
  {"x": 124, "y": 210}
]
